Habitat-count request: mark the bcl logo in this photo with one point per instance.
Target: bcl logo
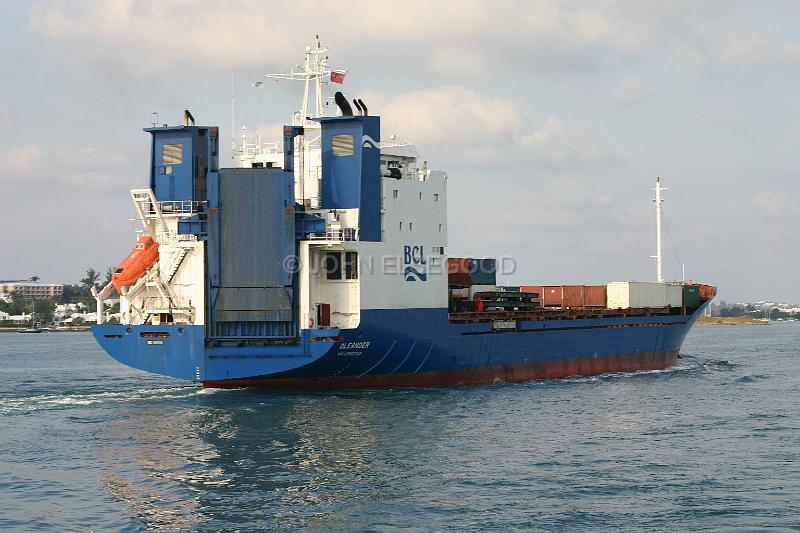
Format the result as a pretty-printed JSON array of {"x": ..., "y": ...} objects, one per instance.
[{"x": 414, "y": 261}]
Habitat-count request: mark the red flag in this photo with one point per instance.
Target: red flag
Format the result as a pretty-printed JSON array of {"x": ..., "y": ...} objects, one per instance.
[{"x": 337, "y": 76}]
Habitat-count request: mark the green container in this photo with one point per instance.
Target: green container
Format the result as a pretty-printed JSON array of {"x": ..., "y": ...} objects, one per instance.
[{"x": 691, "y": 296}]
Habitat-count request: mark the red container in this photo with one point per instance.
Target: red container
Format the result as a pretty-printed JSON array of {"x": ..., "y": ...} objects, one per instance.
[
  {"x": 457, "y": 265},
  {"x": 459, "y": 279},
  {"x": 594, "y": 295},
  {"x": 536, "y": 289},
  {"x": 572, "y": 296},
  {"x": 552, "y": 295}
]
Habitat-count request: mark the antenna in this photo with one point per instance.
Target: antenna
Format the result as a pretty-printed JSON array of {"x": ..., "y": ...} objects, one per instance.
[
  {"x": 659, "y": 257},
  {"x": 154, "y": 118},
  {"x": 315, "y": 70}
]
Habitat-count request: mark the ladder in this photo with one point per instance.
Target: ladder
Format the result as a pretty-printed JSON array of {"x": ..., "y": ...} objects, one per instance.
[{"x": 173, "y": 267}]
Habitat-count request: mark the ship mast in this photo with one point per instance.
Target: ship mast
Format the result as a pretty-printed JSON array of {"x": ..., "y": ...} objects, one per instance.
[
  {"x": 315, "y": 69},
  {"x": 659, "y": 257}
]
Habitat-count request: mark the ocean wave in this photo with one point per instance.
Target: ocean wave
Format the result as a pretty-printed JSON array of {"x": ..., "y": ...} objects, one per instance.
[
  {"x": 687, "y": 364},
  {"x": 47, "y": 402}
]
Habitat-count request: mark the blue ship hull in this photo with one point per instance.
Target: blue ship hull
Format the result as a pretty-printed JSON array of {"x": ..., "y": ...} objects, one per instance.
[{"x": 408, "y": 347}]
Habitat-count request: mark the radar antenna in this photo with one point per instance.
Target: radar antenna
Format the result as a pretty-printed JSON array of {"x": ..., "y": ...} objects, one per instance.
[{"x": 314, "y": 72}]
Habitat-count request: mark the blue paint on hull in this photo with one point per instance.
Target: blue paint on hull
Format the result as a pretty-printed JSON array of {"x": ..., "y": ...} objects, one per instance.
[{"x": 403, "y": 342}]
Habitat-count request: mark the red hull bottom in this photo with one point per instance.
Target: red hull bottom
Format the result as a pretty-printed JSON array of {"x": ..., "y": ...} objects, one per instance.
[{"x": 586, "y": 366}]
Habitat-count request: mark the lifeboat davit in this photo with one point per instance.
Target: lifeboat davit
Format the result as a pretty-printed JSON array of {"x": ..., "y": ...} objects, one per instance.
[{"x": 144, "y": 254}]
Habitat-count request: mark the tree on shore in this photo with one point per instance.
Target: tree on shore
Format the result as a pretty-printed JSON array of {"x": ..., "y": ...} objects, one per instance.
[
  {"x": 109, "y": 273},
  {"x": 91, "y": 279}
]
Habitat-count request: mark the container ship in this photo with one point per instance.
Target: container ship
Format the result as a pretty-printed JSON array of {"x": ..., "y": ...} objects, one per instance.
[{"x": 321, "y": 262}]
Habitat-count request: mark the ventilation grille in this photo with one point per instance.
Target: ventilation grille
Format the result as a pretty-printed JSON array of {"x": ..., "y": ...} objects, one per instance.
[
  {"x": 172, "y": 154},
  {"x": 342, "y": 145}
]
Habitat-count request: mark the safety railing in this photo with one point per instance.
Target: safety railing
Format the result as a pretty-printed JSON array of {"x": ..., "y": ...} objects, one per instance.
[
  {"x": 156, "y": 304},
  {"x": 172, "y": 238},
  {"x": 177, "y": 207},
  {"x": 336, "y": 234}
]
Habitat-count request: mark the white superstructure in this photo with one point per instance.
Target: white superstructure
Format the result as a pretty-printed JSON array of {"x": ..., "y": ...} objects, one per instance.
[{"x": 339, "y": 274}]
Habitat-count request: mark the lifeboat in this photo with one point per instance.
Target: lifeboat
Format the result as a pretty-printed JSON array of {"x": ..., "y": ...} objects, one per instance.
[{"x": 144, "y": 254}]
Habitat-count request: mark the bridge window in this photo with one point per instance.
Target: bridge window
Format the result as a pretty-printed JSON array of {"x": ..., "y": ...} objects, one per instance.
[
  {"x": 351, "y": 265},
  {"x": 172, "y": 154},
  {"x": 333, "y": 265}
]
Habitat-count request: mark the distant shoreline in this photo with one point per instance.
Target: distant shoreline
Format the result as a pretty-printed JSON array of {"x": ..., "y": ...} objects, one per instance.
[{"x": 730, "y": 321}]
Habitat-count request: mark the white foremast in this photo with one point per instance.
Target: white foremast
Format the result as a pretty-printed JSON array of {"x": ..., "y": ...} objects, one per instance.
[{"x": 659, "y": 257}]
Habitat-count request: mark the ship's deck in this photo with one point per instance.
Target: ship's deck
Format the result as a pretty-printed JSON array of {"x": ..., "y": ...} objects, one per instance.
[{"x": 565, "y": 314}]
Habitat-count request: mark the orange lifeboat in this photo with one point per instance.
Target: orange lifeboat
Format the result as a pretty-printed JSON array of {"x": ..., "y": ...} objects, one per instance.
[{"x": 144, "y": 254}]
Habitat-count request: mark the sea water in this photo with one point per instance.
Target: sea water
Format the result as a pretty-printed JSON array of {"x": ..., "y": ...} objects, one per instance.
[{"x": 712, "y": 443}]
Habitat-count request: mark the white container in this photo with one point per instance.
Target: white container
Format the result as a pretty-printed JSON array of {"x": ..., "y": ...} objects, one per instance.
[
  {"x": 674, "y": 295},
  {"x": 636, "y": 294},
  {"x": 462, "y": 293}
]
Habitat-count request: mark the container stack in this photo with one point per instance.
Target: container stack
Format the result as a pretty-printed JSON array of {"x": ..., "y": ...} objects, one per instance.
[
  {"x": 483, "y": 273},
  {"x": 568, "y": 296}
]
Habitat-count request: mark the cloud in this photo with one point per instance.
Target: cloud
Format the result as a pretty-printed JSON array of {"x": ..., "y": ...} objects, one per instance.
[
  {"x": 20, "y": 160},
  {"x": 7, "y": 117},
  {"x": 556, "y": 143},
  {"x": 468, "y": 40},
  {"x": 61, "y": 168},
  {"x": 448, "y": 115},
  {"x": 775, "y": 205},
  {"x": 725, "y": 111},
  {"x": 459, "y": 64},
  {"x": 628, "y": 90},
  {"x": 151, "y": 35}
]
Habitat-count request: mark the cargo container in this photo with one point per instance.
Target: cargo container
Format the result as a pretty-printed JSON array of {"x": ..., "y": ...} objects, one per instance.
[
  {"x": 594, "y": 295},
  {"x": 459, "y": 279},
  {"x": 583, "y": 296},
  {"x": 674, "y": 295},
  {"x": 638, "y": 294},
  {"x": 691, "y": 296},
  {"x": 572, "y": 296},
  {"x": 483, "y": 271},
  {"x": 552, "y": 296},
  {"x": 457, "y": 265},
  {"x": 460, "y": 293}
]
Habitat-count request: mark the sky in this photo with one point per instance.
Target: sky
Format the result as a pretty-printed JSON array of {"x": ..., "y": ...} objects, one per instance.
[{"x": 552, "y": 118}]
